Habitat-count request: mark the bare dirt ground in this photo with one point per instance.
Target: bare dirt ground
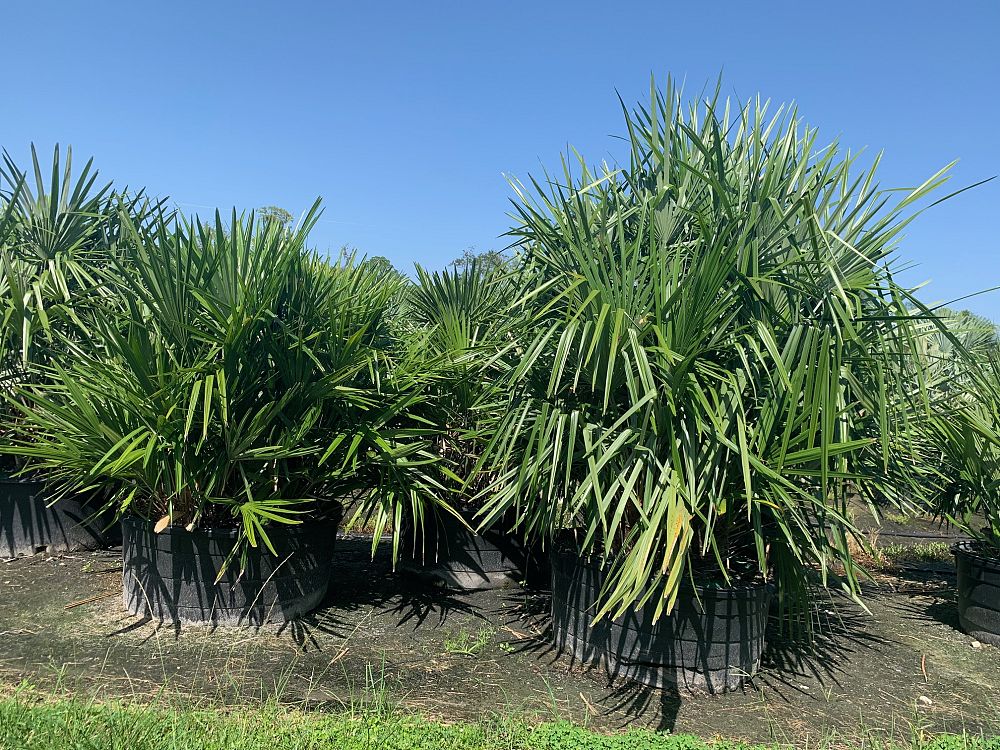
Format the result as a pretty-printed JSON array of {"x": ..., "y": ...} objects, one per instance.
[
  {"x": 902, "y": 667},
  {"x": 894, "y": 528}
]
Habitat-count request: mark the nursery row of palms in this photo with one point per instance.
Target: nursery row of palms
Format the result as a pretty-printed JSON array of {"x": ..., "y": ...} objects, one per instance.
[
  {"x": 689, "y": 367},
  {"x": 215, "y": 373}
]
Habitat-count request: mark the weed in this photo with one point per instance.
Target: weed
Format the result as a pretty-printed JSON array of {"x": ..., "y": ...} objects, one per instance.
[
  {"x": 467, "y": 644},
  {"x": 894, "y": 555}
]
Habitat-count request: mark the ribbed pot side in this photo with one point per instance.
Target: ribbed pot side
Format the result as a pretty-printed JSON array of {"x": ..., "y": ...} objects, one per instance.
[
  {"x": 978, "y": 587},
  {"x": 449, "y": 554},
  {"x": 711, "y": 642},
  {"x": 28, "y": 524},
  {"x": 171, "y": 576}
]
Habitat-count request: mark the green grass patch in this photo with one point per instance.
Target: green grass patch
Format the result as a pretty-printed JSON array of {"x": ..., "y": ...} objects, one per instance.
[
  {"x": 30, "y": 720},
  {"x": 902, "y": 554},
  {"x": 469, "y": 644}
]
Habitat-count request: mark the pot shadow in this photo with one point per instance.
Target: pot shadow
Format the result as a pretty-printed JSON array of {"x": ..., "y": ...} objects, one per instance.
[
  {"x": 529, "y": 610},
  {"x": 928, "y": 592},
  {"x": 946, "y": 613},
  {"x": 633, "y": 701},
  {"x": 363, "y": 587},
  {"x": 839, "y": 633},
  {"x": 628, "y": 701}
]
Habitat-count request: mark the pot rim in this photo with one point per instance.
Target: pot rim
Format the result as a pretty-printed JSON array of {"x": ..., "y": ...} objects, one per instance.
[
  {"x": 974, "y": 548},
  {"x": 7, "y": 479},
  {"x": 334, "y": 518},
  {"x": 734, "y": 589}
]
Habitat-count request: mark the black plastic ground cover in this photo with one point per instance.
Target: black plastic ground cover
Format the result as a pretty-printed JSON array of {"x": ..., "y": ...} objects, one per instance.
[
  {"x": 978, "y": 591},
  {"x": 172, "y": 576},
  {"x": 449, "y": 553},
  {"x": 29, "y": 525},
  {"x": 710, "y": 642}
]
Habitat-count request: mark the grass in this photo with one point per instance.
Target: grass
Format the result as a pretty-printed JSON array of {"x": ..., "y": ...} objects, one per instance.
[
  {"x": 32, "y": 720},
  {"x": 894, "y": 555},
  {"x": 468, "y": 644},
  {"x": 903, "y": 519},
  {"x": 886, "y": 556}
]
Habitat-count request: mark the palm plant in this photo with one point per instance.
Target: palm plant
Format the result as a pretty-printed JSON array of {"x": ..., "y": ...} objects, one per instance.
[
  {"x": 714, "y": 345},
  {"x": 961, "y": 435},
  {"x": 238, "y": 381},
  {"x": 453, "y": 327},
  {"x": 961, "y": 430},
  {"x": 61, "y": 229},
  {"x": 55, "y": 233},
  {"x": 466, "y": 313}
]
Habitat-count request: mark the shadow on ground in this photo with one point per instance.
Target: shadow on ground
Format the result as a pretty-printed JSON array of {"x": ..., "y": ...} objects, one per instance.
[{"x": 380, "y": 635}]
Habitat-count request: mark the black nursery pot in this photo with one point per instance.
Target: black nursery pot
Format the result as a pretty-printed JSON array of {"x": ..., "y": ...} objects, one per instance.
[
  {"x": 711, "y": 642},
  {"x": 978, "y": 570},
  {"x": 29, "y": 525},
  {"x": 449, "y": 554},
  {"x": 171, "y": 576}
]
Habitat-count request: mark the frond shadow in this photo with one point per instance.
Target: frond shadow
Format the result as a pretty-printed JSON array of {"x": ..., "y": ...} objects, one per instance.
[{"x": 363, "y": 583}]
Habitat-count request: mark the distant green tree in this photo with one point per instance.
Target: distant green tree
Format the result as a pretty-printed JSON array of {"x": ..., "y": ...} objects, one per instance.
[
  {"x": 276, "y": 213},
  {"x": 381, "y": 262},
  {"x": 488, "y": 261}
]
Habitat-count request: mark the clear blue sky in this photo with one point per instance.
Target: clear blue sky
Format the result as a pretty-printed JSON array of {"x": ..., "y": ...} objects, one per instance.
[{"x": 404, "y": 117}]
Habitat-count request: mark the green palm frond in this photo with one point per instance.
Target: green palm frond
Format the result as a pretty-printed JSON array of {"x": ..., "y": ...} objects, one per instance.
[
  {"x": 695, "y": 396},
  {"x": 239, "y": 379}
]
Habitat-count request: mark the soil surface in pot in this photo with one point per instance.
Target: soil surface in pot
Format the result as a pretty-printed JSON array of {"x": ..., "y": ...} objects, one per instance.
[{"x": 468, "y": 656}]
